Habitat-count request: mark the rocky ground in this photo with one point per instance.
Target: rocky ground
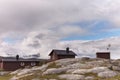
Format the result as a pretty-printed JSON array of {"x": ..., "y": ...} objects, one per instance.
[{"x": 71, "y": 69}]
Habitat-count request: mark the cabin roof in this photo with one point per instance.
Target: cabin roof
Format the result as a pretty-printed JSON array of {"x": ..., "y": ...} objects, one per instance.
[
  {"x": 102, "y": 52},
  {"x": 62, "y": 52},
  {"x": 10, "y": 59}
]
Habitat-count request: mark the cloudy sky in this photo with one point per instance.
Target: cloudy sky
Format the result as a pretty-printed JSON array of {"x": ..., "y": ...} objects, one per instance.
[{"x": 37, "y": 26}]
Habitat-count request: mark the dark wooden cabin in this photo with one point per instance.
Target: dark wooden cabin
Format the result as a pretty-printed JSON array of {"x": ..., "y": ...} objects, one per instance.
[
  {"x": 105, "y": 55},
  {"x": 12, "y": 63},
  {"x": 61, "y": 54}
]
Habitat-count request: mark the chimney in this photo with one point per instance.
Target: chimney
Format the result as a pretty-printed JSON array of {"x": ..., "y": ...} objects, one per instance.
[
  {"x": 67, "y": 50},
  {"x": 17, "y": 57}
]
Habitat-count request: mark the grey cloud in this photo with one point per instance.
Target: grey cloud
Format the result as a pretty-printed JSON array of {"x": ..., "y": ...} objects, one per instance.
[
  {"x": 26, "y": 16},
  {"x": 32, "y": 15},
  {"x": 51, "y": 19},
  {"x": 35, "y": 44},
  {"x": 40, "y": 36}
]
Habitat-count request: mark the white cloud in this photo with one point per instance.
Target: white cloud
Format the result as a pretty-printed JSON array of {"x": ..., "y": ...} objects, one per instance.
[
  {"x": 35, "y": 43},
  {"x": 39, "y": 25},
  {"x": 29, "y": 15}
]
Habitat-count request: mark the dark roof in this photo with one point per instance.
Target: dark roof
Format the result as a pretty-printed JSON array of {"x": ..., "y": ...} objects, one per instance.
[
  {"x": 103, "y": 52},
  {"x": 62, "y": 52},
  {"x": 10, "y": 59}
]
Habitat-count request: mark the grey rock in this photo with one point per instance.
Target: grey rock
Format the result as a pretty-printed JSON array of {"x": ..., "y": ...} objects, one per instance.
[
  {"x": 116, "y": 68},
  {"x": 89, "y": 78},
  {"x": 66, "y": 62},
  {"x": 52, "y": 79},
  {"x": 81, "y": 71},
  {"x": 99, "y": 69},
  {"x": 54, "y": 71},
  {"x": 107, "y": 74},
  {"x": 85, "y": 58},
  {"x": 78, "y": 66},
  {"x": 3, "y": 73},
  {"x": 35, "y": 79},
  {"x": 41, "y": 68},
  {"x": 95, "y": 63},
  {"x": 71, "y": 77},
  {"x": 70, "y": 70}
]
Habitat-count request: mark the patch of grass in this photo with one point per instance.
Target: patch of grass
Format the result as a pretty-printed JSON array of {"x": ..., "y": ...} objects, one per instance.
[
  {"x": 28, "y": 77},
  {"x": 53, "y": 76},
  {"x": 94, "y": 75},
  {"x": 91, "y": 74},
  {"x": 43, "y": 62},
  {"x": 41, "y": 77},
  {"x": 113, "y": 78},
  {"x": 53, "y": 65},
  {"x": 1, "y": 69},
  {"x": 5, "y": 77},
  {"x": 36, "y": 74},
  {"x": 50, "y": 76},
  {"x": 98, "y": 78}
]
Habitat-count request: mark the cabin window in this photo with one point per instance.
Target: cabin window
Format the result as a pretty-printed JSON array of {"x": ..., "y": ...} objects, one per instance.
[
  {"x": 33, "y": 63},
  {"x": 22, "y": 64}
]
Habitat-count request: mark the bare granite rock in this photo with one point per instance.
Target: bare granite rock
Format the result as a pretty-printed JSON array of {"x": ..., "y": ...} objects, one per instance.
[
  {"x": 15, "y": 72},
  {"x": 2, "y": 73},
  {"x": 98, "y": 69},
  {"x": 107, "y": 74},
  {"x": 85, "y": 58},
  {"x": 81, "y": 71},
  {"x": 78, "y": 66},
  {"x": 71, "y": 77},
  {"x": 66, "y": 62},
  {"x": 89, "y": 78},
  {"x": 71, "y": 69},
  {"x": 24, "y": 71},
  {"x": 36, "y": 79},
  {"x": 41, "y": 68},
  {"x": 52, "y": 79},
  {"x": 116, "y": 68},
  {"x": 95, "y": 63},
  {"x": 55, "y": 71},
  {"x": 18, "y": 77}
]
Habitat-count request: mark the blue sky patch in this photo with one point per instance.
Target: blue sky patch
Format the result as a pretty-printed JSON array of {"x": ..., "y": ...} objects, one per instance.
[{"x": 97, "y": 30}]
